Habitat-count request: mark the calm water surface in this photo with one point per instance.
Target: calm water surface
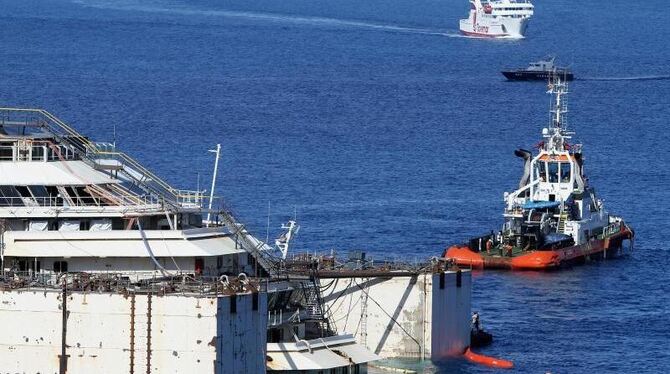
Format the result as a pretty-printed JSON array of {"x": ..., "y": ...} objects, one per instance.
[{"x": 384, "y": 131}]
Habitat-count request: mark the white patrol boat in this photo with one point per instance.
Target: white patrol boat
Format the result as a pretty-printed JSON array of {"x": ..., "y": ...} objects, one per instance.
[
  {"x": 554, "y": 217},
  {"x": 497, "y": 18}
]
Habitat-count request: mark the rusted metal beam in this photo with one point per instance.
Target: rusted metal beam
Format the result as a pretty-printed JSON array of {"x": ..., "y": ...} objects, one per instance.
[
  {"x": 63, "y": 349},
  {"x": 365, "y": 273},
  {"x": 132, "y": 333},
  {"x": 149, "y": 333}
]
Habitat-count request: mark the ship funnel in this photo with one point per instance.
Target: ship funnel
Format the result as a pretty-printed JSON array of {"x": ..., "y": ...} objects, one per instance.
[{"x": 526, "y": 155}]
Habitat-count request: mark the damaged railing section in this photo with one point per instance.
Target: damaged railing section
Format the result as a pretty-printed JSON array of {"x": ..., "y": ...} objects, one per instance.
[
  {"x": 20, "y": 122},
  {"x": 122, "y": 284},
  {"x": 356, "y": 263}
]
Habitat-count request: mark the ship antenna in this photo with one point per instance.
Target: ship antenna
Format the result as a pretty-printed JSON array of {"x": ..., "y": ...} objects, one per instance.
[
  {"x": 197, "y": 189},
  {"x": 267, "y": 228},
  {"x": 559, "y": 89},
  {"x": 114, "y": 136},
  {"x": 217, "y": 151}
]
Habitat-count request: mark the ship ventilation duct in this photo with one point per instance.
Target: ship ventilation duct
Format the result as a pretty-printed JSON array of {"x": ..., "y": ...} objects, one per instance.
[{"x": 526, "y": 155}]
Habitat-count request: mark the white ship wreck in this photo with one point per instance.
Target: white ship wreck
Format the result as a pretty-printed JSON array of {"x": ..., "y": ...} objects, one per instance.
[
  {"x": 497, "y": 18},
  {"x": 70, "y": 205},
  {"x": 124, "y": 273}
]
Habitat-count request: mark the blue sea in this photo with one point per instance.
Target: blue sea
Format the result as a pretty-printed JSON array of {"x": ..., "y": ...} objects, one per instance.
[{"x": 382, "y": 129}]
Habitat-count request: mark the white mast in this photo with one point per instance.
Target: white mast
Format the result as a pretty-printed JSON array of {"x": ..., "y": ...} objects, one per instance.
[
  {"x": 282, "y": 243},
  {"x": 557, "y": 132},
  {"x": 216, "y": 169}
]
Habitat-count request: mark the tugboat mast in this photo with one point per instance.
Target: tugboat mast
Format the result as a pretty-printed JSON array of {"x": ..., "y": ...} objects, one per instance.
[{"x": 557, "y": 133}]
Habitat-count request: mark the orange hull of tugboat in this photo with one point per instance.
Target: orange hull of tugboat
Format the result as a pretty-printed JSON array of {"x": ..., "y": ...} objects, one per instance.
[{"x": 537, "y": 260}]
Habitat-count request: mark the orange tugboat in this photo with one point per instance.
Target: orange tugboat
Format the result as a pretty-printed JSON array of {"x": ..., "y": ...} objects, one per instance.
[{"x": 554, "y": 217}]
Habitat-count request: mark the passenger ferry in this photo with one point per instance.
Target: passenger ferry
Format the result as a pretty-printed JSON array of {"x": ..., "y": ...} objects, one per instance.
[
  {"x": 555, "y": 216},
  {"x": 497, "y": 18}
]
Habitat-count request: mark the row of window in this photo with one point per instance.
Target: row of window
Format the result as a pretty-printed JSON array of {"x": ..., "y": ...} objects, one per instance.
[
  {"x": 36, "y": 266},
  {"x": 553, "y": 172},
  {"x": 14, "y": 152},
  {"x": 512, "y": 9},
  {"x": 158, "y": 222}
]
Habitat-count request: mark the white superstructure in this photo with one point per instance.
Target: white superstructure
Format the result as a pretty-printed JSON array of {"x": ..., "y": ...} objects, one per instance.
[
  {"x": 71, "y": 205},
  {"x": 497, "y": 18}
]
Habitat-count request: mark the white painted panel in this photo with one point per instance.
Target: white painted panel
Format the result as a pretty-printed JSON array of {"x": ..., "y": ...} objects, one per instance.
[
  {"x": 38, "y": 226},
  {"x": 53, "y": 173},
  {"x": 182, "y": 335},
  {"x": 451, "y": 311},
  {"x": 101, "y": 225},
  {"x": 404, "y": 316}
]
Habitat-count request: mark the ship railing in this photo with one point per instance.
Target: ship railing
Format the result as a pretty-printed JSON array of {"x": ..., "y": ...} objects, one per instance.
[
  {"x": 192, "y": 197},
  {"x": 95, "y": 153},
  {"x": 93, "y": 202},
  {"x": 249, "y": 243}
]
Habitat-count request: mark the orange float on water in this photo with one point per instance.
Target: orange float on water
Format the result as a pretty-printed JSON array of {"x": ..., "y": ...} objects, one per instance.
[{"x": 488, "y": 361}]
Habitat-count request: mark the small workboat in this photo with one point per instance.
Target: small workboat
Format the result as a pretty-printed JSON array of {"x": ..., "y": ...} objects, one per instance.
[
  {"x": 554, "y": 217},
  {"x": 543, "y": 70}
]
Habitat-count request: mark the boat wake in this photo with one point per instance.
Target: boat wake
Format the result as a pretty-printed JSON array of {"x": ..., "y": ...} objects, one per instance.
[
  {"x": 269, "y": 17},
  {"x": 634, "y": 78}
]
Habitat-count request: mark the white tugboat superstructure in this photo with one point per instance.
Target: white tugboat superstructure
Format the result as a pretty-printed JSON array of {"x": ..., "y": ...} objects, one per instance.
[{"x": 497, "y": 18}]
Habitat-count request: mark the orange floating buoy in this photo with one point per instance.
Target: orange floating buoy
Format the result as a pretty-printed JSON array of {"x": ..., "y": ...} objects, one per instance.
[{"x": 488, "y": 361}]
